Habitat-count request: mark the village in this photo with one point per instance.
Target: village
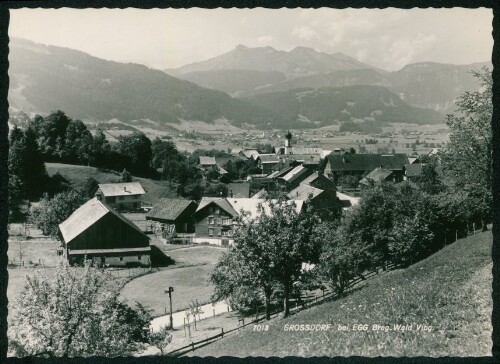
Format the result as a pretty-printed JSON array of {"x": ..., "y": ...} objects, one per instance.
[{"x": 248, "y": 183}]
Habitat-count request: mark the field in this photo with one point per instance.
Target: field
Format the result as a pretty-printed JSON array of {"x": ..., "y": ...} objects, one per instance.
[
  {"x": 189, "y": 277},
  {"x": 77, "y": 175},
  {"x": 449, "y": 293}
]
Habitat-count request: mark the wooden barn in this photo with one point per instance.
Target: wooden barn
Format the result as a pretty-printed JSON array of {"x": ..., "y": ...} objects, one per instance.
[
  {"x": 98, "y": 232},
  {"x": 173, "y": 217}
]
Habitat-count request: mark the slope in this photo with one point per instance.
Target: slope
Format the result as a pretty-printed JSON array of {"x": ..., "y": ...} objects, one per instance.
[
  {"x": 77, "y": 176},
  {"x": 46, "y": 78},
  {"x": 449, "y": 292}
]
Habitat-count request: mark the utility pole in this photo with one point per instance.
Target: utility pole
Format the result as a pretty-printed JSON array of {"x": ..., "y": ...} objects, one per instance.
[{"x": 169, "y": 291}]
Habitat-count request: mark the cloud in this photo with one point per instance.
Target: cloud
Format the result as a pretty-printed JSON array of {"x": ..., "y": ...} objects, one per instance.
[
  {"x": 304, "y": 33},
  {"x": 266, "y": 39}
]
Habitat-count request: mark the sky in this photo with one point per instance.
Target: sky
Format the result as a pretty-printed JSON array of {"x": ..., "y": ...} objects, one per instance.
[{"x": 169, "y": 38}]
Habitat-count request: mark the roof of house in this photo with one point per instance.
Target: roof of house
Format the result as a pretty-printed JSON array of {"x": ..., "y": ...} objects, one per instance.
[
  {"x": 168, "y": 208},
  {"x": 121, "y": 189},
  {"x": 250, "y": 153},
  {"x": 253, "y": 206},
  {"x": 260, "y": 194},
  {"x": 304, "y": 158},
  {"x": 235, "y": 151},
  {"x": 87, "y": 215},
  {"x": 295, "y": 173},
  {"x": 240, "y": 189},
  {"x": 303, "y": 191},
  {"x": 234, "y": 206},
  {"x": 304, "y": 150},
  {"x": 413, "y": 160},
  {"x": 347, "y": 200},
  {"x": 268, "y": 158},
  {"x": 366, "y": 162},
  {"x": 317, "y": 175},
  {"x": 413, "y": 170},
  {"x": 207, "y": 161},
  {"x": 219, "y": 201},
  {"x": 377, "y": 175}
]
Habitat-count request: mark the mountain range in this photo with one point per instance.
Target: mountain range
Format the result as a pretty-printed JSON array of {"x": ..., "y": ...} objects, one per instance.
[
  {"x": 244, "y": 72},
  {"x": 272, "y": 91}
]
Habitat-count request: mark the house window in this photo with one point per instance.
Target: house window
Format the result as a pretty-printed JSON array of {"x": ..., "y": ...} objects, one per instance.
[
  {"x": 219, "y": 221},
  {"x": 211, "y": 220},
  {"x": 226, "y": 221},
  {"x": 227, "y": 232},
  {"x": 211, "y": 232},
  {"x": 121, "y": 259},
  {"x": 138, "y": 257},
  {"x": 219, "y": 233},
  {"x": 217, "y": 211},
  {"x": 210, "y": 210}
]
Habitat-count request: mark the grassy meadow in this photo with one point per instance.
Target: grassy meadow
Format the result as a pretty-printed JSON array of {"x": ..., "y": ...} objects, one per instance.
[
  {"x": 449, "y": 294},
  {"x": 77, "y": 176}
]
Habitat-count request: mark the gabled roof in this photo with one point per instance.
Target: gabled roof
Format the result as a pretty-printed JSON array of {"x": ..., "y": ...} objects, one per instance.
[
  {"x": 366, "y": 162},
  {"x": 308, "y": 159},
  {"x": 121, "y": 189},
  {"x": 413, "y": 160},
  {"x": 319, "y": 176},
  {"x": 268, "y": 158},
  {"x": 220, "y": 202},
  {"x": 377, "y": 175},
  {"x": 207, "y": 161},
  {"x": 87, "y": 215},
  {"x": 235, "y": 151},
  {"x": 240, "y": 189},
  {"x": 413, "y": 170},
  {"x": 250, "y": 153},
  {"x": 295, "y": 173},
  {"x": 303, "y": 191},
  {"x": 169, "y": 208}
]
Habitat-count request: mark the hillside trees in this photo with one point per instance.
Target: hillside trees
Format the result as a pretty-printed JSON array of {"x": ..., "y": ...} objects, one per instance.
[
  {"x": 468, "y": 154},
  {"x": 27, "y": 174},
  {"x": 136, "y": 148},
  {"x": 74, "y": 313}
]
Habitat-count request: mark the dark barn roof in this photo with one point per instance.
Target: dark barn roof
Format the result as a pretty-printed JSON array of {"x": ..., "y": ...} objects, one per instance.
[
  {"x": 87, "y": 215},
  {"x": 169, "y": 209},
  {"x": 377, "y": 176},
  {"x": 366, "y": 162}
]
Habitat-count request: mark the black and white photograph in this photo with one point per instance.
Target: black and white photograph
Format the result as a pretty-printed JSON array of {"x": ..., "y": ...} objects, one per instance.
[{"x": 250, "y": 182}]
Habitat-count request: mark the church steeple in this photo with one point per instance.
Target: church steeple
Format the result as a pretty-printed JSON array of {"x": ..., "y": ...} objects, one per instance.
[{"x": 288, "y": 140}]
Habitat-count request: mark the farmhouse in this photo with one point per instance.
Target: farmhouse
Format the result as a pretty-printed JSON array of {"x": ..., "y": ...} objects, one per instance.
[
  {"x": 98, "y": 232},
  {"x": 173, "y": 217},
  {"x": 266, "y": 162},
  {"x": 216, "y": 218},
  {"x": 362, "y": 164},
  {"x": 121, "y": 196}
]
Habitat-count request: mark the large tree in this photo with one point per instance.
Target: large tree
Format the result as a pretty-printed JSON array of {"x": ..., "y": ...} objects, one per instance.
[
  {"x": 52, "y": 211},
  {"x": 75, "y": 313},
  {"x": 274, "y": 245},
  {"x": 136, "y": 147}
]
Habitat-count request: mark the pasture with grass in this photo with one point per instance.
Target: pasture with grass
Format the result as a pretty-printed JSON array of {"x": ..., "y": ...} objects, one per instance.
[{"x": 440, "y": 306}]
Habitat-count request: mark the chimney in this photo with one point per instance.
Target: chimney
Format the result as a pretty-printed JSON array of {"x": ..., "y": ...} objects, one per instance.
[
  {"x": 230, "y": 193},
  {"x": 380, "y": 167},
  {"x": 125, "y": 188}
]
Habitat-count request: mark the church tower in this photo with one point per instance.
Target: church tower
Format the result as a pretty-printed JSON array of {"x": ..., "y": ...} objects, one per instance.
[{"x": 288, "y": 143}]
